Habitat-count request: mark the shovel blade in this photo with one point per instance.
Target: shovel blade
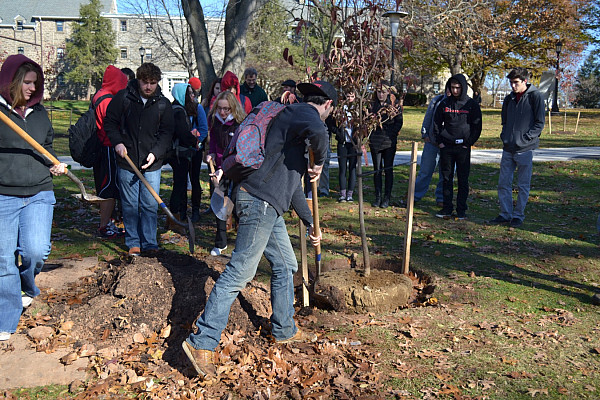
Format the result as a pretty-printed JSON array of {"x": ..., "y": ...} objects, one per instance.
[{"x": 90, "y": 198}]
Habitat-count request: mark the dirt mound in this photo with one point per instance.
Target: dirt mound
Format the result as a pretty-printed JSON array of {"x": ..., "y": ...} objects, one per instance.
[{"x": 129, "y": 317}]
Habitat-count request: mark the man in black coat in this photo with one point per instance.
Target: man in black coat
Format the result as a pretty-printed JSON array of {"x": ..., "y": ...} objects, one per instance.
[{"x": 139, "y": 123}]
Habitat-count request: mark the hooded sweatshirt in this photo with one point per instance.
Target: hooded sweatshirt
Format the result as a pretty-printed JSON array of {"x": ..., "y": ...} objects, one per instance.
[
  {"x": 457, "y": 120},
  {"x": 112, "y": 81},
  {"x": 23, "y": 171},
  {"x": 183, "y": 125},
  {"x": 522, "y": 120},
  {"x": 230, "y": 80}
]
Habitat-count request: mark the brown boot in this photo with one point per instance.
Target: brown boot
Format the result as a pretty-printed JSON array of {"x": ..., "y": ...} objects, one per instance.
[
  {"x": 299, "y": 337},
  {"x": 202, "y": 360}
]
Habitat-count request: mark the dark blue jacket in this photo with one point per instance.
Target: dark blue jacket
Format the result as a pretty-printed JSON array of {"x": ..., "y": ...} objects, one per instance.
[{"x": 278, "y": 180}]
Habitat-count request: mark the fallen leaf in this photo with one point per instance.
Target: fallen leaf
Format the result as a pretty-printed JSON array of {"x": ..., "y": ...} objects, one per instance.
[
  {"x": 535, "y": 392},
  {"x": 139, "y": 338}
]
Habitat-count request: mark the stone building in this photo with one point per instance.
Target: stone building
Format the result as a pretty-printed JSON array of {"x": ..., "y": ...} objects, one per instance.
[{"x": 40, "y": 30}]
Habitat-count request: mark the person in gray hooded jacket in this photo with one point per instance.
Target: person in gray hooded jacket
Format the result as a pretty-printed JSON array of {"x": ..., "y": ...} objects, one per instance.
[{"x": 522, "y": 123}]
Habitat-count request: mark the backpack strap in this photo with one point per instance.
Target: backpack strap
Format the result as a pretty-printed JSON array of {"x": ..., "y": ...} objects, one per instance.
[{"x": 101, "y": 99}]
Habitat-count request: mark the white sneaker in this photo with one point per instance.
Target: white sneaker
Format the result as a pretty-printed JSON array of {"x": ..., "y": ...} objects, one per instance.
[
  {"x": 217, "y": 251},
  {"x": 26, "y": 301},
  {"x": 4, "y": 336}
]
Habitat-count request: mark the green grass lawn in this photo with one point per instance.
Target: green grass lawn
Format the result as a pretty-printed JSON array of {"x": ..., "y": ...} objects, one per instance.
[
  {"x": 515, "y": 318},
  {"x": 588, "y": 134}
]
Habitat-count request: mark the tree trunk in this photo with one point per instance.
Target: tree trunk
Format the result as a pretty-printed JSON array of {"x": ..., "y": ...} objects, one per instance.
[
  {"x": 237, "y": 18},
  {"x": 361, "y": 215},
  {"x": 195, "y": 18}
]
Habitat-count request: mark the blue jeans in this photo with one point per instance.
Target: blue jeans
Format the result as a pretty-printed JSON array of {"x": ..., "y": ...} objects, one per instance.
[
  {"x": 140, "y": 209},
  {"x": 429, "y": 161},
  {"x": 260, "y": 231},
  {"x": 523, "y": 163},
  {"x": 26, "y": 225}
]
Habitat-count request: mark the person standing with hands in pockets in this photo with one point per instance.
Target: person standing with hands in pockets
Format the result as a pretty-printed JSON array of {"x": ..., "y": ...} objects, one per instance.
[{"x": 26, "y": 195}]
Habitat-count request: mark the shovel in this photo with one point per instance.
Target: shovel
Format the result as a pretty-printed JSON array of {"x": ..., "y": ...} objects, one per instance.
[
  {"x": 38, "y": 147},
  {"x": 188, "y": 225},
  {"x": 221, "y": 205},
  {"x": 316, "y": 227}
]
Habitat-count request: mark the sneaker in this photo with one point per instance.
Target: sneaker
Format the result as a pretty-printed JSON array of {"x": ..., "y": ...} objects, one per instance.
[
  {"x": 108, "y": 232},
  {"x": 217, "y": 251},
  {"x": 498, "y": 220},
  {"x": 299, "y": 337},
  {"x": 202, "y": 360},
  {"x": 516, "y": 222},
  {"x": 134, "y": 251},
  {"x": 349, "y": 199},
  {"x": 4, "y": 336},
  {"x": 26, "y": 300},
  {"x": 120, "y": 231},
  {"x": 461, "y": 217},
  {"x": 342, "y": 199},
  {"x": 443, "y": 214}
]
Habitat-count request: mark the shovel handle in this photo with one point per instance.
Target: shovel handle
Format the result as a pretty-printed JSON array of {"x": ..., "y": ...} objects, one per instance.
[
  {"x": 38, "y": 147},
  {"x": 315, "y": 205}
]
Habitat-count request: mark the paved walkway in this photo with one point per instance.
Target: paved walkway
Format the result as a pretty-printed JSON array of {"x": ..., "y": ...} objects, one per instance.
[{"x": 477, "y": 156}]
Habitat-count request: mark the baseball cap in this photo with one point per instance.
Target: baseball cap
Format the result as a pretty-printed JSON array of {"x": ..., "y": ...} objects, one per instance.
[
  {"x": 195, "y": 83},
  {"x": 319, "y": 88},
  {"x": 289, "y": 82}
]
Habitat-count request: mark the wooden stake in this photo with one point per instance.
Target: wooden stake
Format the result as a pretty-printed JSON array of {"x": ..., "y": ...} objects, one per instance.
[
  {"x": 565, "y": 122},
  {"x": 549, "y": 122},
  {"x": 577, "y": 124},
  {"x": 304, "y": 265},
  {"x": 409, "y": 207}
]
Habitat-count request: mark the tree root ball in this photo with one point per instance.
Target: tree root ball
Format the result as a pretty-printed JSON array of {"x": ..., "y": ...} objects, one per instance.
[{"x": 381, "y": 291}]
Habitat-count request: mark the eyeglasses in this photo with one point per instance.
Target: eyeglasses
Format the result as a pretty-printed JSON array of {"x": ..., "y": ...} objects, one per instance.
[{"x": 225, "y": 109}]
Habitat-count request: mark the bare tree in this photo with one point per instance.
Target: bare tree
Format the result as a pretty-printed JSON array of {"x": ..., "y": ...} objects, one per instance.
[
  {"x": 167, "y": 26},
  {"x": 238, "y": 14}
]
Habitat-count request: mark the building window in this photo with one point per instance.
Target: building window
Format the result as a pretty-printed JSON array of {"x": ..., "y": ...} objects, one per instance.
[
  {"x": 60, "y": 53},
  {"x": 123, "y": 52},
  {"x": 20, "y": 50},
  {"x": 60, "y": 80},
  {"x": 60, "y": 26},
  {"x": 149, "y": 28},
  {"x": 123, "y": 25},
  {"x": 19, "y": 25},
  {"x": 148, "y": 55},
  {"x": 436, "y": 87}
]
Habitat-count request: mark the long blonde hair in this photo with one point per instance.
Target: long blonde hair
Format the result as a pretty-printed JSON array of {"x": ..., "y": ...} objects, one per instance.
[
  {"x": 16, "y": 85},
  {"x": 236, "y": 108}
]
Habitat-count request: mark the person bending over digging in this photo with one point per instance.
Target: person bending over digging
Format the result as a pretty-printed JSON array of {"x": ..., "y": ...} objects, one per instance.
[{"x": 261, "y": 200}]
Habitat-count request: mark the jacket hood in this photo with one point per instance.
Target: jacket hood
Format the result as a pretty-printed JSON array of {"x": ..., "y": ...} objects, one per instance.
[
  {"x": 231, "y": 80},
  {"x": 178, "y": 92},
  {"x": 7, "y": 73},
  {"x": 114, "y": 80},
  {"x": 463, "y": 82}
]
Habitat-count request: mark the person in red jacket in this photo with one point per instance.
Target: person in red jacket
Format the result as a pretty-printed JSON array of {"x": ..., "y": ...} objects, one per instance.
[
  {"x": 231, "y": 82},
  {"x": 105, "y": 169}
]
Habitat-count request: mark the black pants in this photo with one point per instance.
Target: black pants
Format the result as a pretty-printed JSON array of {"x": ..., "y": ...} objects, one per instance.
[
  {"x": 459, "y": 157},
  {"x": 383, "y": 161},
  {"x": 178, "y": 201},
  {"x": 195, "y": 178},
  {"x": 347, "y": 165},
  {"x": 221, "y": 236}
]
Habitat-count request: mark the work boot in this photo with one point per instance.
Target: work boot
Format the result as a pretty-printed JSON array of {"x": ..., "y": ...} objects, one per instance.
[
  {"x": 195, "y": 214},
  {"x": 202, "y": 360},
  {"x": 300, "y": 337}
]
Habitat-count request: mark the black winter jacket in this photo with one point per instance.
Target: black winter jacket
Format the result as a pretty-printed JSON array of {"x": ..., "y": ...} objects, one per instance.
[
  {"x": 386, "y": 135},
  {"x": 457, "y": 121},
  {"x": 23, "y": 171},
  {"x": 140, "y": 127},
  {"x": 522, "y": 122}
]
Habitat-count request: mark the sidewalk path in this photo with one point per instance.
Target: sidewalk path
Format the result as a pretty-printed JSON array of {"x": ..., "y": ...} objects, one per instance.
[{"x": 477, "y": 156}]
